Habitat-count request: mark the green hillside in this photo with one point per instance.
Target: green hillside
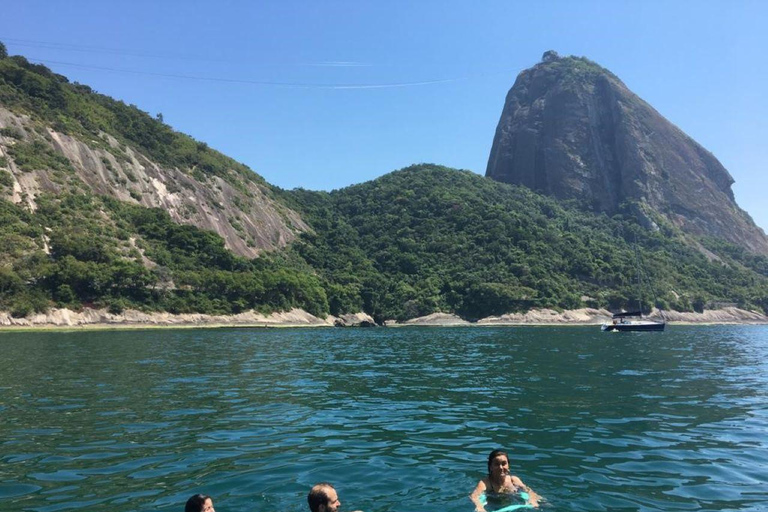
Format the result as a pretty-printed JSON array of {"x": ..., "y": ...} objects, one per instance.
[
  {"x": 75, "y": 109},
  {"x": 76, "y": 248},
  {"x": 82, "y": 250},
  {"x": 416, "y": 241},
  {"x": 429, "y": 238}
]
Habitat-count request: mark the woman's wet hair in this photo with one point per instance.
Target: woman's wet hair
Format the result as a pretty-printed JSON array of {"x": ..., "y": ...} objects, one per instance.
[
  {"x": 196, "y": 503},
  {"x": 493, "y": 455}
]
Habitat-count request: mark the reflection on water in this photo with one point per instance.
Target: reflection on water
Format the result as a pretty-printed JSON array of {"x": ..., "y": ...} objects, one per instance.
[{"x": 399, "y": 419}]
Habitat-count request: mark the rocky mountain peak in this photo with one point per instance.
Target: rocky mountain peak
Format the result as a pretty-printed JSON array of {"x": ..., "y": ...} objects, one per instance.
[
  {"x": 550, "y": 56},
  {"x": 571, "y": 129}
]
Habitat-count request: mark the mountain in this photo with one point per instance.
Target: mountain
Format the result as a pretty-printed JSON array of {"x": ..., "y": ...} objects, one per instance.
[
  {"x": 102, "y": 205},
  {"x": 58, "y": 137},
  {"x": 571, "y": 129},
  {"x": 429, "y": 238}
]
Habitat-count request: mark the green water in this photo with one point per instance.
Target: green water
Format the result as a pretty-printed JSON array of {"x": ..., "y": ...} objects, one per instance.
[{"x": 398, "y": 419}]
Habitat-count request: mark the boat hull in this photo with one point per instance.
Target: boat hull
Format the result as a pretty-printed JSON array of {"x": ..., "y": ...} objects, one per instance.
[{"x": 633, "y": 326}]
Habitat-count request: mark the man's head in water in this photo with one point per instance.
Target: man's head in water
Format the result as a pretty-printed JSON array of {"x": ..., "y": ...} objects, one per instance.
[
  {"x": 323, "y": 498},
  {"x": 498, "y": 465}
]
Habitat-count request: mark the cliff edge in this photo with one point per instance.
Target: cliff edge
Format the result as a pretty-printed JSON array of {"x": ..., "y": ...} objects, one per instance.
[{"x": 573, "y": 130}]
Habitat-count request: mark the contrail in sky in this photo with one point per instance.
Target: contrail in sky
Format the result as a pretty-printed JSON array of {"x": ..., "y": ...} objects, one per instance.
[
  {"x": 50, "y": 45},
  {"x": 304, "y": 85}
]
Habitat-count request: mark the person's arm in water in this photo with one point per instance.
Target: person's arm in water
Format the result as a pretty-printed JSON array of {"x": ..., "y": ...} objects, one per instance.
[
  {"x": 475, "y": 496},
  {"x": 533, "y": 498}
]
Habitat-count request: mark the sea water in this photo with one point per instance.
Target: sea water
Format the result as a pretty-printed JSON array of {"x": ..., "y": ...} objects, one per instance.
[{"x": 397, "y": 419}]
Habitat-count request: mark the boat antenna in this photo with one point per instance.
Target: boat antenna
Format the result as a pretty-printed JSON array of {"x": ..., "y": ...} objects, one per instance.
[
  {"x": 639, "y": 281},
  {"x": 644, "y": 276}
]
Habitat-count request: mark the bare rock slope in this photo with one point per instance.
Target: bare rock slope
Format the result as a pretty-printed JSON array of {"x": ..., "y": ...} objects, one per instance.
[
  {"x": 573, "y": 130},
  {"x": 243, "y": 213}
]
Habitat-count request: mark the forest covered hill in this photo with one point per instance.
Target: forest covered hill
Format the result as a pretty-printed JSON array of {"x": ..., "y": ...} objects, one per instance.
[
  {"x": 429, "y": 238},
  {"x": 58, "y": 137},
  {"x": 102, "y": 205}
]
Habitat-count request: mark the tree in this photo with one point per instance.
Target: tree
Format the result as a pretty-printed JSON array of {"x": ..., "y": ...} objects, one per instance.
[{"x": 3, "y": 51}]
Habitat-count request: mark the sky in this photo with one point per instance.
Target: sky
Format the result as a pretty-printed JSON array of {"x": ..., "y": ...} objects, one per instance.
[{"x": 323, "y": 94}]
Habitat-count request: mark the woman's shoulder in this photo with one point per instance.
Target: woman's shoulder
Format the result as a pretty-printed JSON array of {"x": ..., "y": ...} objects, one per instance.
[{"x": 515, "y": 481}]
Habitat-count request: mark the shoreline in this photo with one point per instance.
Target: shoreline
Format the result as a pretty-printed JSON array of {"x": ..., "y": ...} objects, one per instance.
[{"x": 64, "y": 320}]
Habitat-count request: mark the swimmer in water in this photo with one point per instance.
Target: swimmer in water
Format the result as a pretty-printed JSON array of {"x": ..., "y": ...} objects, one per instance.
[
  {"x": 323, "y": 498},
  {"x": 199, "y": 503},
  {"x": 500, "y": 481}
]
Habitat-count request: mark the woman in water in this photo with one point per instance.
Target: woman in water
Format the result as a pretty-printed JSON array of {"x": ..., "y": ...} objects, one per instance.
[
  {"x": 199, "y": 503},
  {"x": 500, "y": 481}
]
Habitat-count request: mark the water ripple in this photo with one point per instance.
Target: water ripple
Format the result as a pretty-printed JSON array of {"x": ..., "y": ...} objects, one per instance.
[{"x": 397, "y": 419}]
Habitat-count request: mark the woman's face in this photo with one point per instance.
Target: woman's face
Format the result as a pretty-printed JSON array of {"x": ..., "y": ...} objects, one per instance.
[
  {"x": 499, "y": 466},
  {"x": 208, "y": 506}
]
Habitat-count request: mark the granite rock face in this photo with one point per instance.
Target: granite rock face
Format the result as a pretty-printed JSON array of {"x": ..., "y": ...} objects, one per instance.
[
  {"x": 247, "y": 217},
  {"x": 573, "y": 130}
]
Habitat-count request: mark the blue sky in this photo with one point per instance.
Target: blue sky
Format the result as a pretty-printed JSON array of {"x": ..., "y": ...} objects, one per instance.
[{"x": 284, "y": 86}]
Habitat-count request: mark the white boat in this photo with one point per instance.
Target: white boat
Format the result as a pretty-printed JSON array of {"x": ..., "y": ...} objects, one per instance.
[{"x": 632, "y": 321}]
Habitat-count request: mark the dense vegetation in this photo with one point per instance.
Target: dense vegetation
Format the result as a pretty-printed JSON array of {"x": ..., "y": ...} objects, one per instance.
[
  {"x": 428, "y": 238},
  {"x": 417, "y": 241},
  {"x": 578, "y": 69},
  {"x": 77, "y": 110},
  {"x": 79, "y": 250}
]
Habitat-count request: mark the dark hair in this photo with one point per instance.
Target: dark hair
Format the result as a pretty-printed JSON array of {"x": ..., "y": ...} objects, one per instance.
[
  {"x": 196, "y": 503},
  {"x": 493, "y": 455},
  {"x": 317, "y": 496}
]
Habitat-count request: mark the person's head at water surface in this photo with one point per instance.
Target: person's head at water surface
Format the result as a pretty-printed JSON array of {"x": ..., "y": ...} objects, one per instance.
[
  {"x": 498, "y": 465},
  {"x": 199, "y": 503},
  {"x": 323, "y": 498},
  {"x": 501, "y": 481}
]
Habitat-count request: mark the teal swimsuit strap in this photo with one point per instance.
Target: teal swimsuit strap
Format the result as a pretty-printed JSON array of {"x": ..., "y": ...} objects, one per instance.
[{"x": 513, "y": 507}]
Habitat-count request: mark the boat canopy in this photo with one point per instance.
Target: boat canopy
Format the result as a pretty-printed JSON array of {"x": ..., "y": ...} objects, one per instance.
[{"x": 628, "y": 313}]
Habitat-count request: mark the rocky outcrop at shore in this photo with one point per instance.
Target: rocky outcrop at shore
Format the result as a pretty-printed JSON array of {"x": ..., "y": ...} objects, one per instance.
[
  {"x": 355, "y": 320},
  {"x": 101, "y": 318},
  {"x": 440, "y": 319},
  {"x": 133, "y": 318},
  {"x": 549, "y": 316},
  {"x": 587, "y": 316},
  {"x": 717, "y": 316}
]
